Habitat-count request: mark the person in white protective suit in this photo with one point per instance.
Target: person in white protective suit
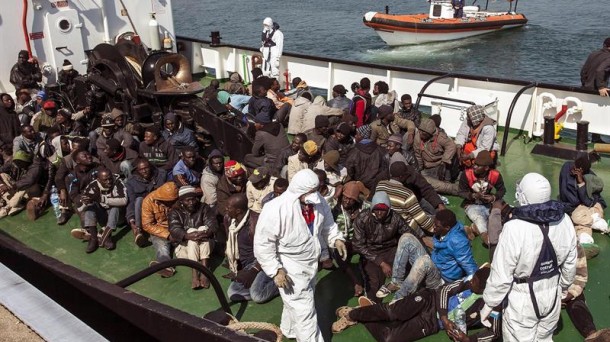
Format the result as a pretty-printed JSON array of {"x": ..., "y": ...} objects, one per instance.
[
  {"x": 287, "y": 246},
  {"x": 535, "y": 259},
  {"x": 272, "y": 40}
]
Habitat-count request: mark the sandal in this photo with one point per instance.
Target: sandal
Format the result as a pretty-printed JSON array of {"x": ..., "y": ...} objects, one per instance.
[
  {"x": 364, "y": 301},
  {"x": 343, "y": 311},
  {"x": 342, "y": 324}
]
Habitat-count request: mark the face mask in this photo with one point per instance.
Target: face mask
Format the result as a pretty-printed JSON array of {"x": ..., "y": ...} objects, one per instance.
[
  {"x": 520, "y": 196},
  {"x": 312, "y": 198}
]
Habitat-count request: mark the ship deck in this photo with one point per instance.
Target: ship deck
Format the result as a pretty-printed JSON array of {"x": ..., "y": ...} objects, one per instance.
[{"x": 333, "y": 289}]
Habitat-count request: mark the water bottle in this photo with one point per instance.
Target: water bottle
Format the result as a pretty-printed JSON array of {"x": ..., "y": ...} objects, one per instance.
[
  {"x": 55, "y": 201},
  {"x": 460, "y": 319}
]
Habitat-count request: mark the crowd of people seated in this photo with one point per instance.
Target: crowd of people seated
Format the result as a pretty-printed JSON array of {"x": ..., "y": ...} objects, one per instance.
[{"x": 381, "y": 170}]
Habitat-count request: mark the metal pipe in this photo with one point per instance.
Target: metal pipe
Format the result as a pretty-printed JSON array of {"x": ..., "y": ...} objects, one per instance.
[
  {"x": 423, "y": 89},
  {"x": 448, "y": 99},
  {"x": 549, "y": 130},
  {"x": 180, "y": 262},
  {"x": 582, "y": 135},
  {"x": 25, "y": 27},
  {"x": 486, "y": 4},
  {"x": 516, "y": 3},
  {"x": 133, "y": 27},
  {"x": 510, "y": 115},
  {"x": 105, "y": 23}
]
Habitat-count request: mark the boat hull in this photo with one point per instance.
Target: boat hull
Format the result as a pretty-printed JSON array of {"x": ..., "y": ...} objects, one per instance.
[{"x": 398, "y": 30}]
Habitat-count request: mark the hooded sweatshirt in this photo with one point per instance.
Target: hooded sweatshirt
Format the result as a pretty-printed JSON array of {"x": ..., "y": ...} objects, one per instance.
[{"x": 155, "y": 209}]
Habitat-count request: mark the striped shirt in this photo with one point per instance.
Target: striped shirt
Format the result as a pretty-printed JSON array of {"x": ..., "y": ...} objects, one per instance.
[{"x": 405, "y": 203}]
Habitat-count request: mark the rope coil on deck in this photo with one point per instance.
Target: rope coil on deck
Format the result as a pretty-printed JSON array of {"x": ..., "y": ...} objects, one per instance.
[{"x": 242, "y": 326}]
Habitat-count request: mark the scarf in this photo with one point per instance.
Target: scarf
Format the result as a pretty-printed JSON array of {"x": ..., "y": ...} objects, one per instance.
[{"x": 232, "y": 250}]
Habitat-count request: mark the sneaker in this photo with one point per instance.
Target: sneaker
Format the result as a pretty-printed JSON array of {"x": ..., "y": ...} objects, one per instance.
[
  {"x": 3, "y": 212},
  {"x": 106, "y": 240},
  {"x": 63, "y": 218},
  {"x": 364, "y": 301},
  {"x": 387, "y": 290},
  {"x": 342, "y": 324},
  {"x": 80, "y": 233},
  {"x": 32, "y": 209},
  {"x": 601, "y": 335},
  {"x": 14, "y": 211},
  {"x": 343, "y": 311},
  {"x": 444, "y": 199},
  {"x": 598, "y": 223},
  {"x": 164, "y": 273},
  {"x": 140, "y": 240}
]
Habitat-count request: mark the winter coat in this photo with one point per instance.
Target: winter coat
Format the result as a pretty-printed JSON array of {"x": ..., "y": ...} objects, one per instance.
[
  {"x": 318, "y": 107},
  {"x": 571, "y": 194},
  {"x": 439, "y": 149},
  {"x": 161, "y": 154},
  {"x": 139, "y": 187},
  {"x": 155, "y": 211},
  {"x": 261, "y": 107},
  {"x": 209, "y": 182},
  {"x": 78, "y": 179},
  {"x": 224, "y": 190},
  {"x": 368, "y": 163},
  {"x": 594, "y": 73},
  {"x": 452, "y": 254},
  {"x": 181, "y": 220},
  {"x": 116, "y": 196},
  {"x": 120, "y": 167},
  {"x": 10, "y": 126},
  {"x": 297, "y": 115},
  {"x": 180, "y": 138},
  {"x": 380, "y": 133},
  {"x": 121, "y": 135},
  {"x": 269, "y": 141},
  {"x": 372, "y": 238}
]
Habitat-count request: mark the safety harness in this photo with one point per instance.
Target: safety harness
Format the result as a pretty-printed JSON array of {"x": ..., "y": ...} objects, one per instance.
[{"x": 546, "y": 267}]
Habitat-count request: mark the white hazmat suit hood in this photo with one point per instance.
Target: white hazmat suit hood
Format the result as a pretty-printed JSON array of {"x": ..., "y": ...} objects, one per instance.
[
  {"x": 533, "y": 189},
  {"x": 268, "y": 24}
]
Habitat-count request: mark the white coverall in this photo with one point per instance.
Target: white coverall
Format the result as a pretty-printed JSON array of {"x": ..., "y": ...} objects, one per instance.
[
  {"x": 283, "y": 240},
  {"x": 271, "y": 55},
  {"x": 518, "y": 249}
]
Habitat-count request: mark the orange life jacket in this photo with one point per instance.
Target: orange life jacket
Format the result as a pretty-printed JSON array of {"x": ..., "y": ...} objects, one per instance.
[
  {"x": 471, "y": 145},
  {"x": 492, "y": 177}
]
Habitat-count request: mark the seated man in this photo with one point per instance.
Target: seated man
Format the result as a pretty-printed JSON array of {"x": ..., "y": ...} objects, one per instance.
[
  {"x": 296, "y": 118},
  {"x": 28, "y": 142},
  {"x": 336, "y": 173},
  {"x": 476, "y": 134},
  {"x": 476, "y": 185},
  {"x": 407, "y": 111},
  {"x": 157, "y": 150},
  {"x": 144, "y": 179},
  {"x": 340, "y": 141},
  {"x": 176, "y": 134},
  {"x": 18, "y": 182},
  {"x": 339, "y": 99},
  {"x": 249, "y": 283},
  {"x": 210, "y": 177},
  {"x": 394, "y": 147},
  {"x": 101, "y": 202},
  {"x": 110, "y": 129},
  {"x": 280, "y": 166},
  {"x": 70, "y": 124},
  {"x": 154, "y": 219},
  {"x": 388, "y": 124},
  {"x": 192, "y": 225},
  {"x": 308, "y": 155},
  {"x": 232, "y": 182},
  {"x": 260, "y": 184},
  {"x": 26, "y": 72},
  {"x": 580, "y": 190},
  {"x": 376, "y": 235},
  {"x": 321, "y": 131},
  {"x": 367, "y": 161},
  {"x": 317, "y": 108},
  {"x": 279, "y": 187},
  {"x": 452, "y": 253},
  {"x": 350, "y": 205},
  {"x": 117, "y": 158},
  {"x": 417, "y": 315},
  {"x": 188, "y": 169},
  {"x": 404, "y": 202},
  {"x": 434, "y": 152},
  {"x": 269, "y": 140}
]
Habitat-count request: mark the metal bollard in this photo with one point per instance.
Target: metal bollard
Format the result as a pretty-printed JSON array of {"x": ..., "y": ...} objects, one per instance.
[
  {"x": 549, "y": 130},
  {"x": 582, "y": 135}
]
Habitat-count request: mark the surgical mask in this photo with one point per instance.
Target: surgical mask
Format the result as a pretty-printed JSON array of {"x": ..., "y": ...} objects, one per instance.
[
  {"x": 520, "y": 196},
  {"x": 312, "y": 198}
]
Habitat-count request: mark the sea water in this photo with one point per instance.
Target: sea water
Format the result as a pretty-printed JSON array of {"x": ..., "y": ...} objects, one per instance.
[{"x": 551, "y": 48}]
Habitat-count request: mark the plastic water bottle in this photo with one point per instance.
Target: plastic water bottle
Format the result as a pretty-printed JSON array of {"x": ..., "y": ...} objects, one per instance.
[
  {"x": 460, "y": 319},
  {"x": 55, "y": 201}
]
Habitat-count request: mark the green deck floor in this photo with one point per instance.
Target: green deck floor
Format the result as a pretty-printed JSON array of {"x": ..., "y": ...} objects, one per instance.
[{"x": 333, "y": 289}]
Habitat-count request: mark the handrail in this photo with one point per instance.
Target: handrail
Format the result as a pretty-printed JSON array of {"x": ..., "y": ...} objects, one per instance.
[
  {"x": 510, "y": 115},
  {"x": 180, "y": 262},
  {"x": 423, "y": 89},
  {"x": 447, "y": 98}
]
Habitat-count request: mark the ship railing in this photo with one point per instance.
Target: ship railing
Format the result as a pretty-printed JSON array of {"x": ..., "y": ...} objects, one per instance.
[{"x": 153, "y": 269}]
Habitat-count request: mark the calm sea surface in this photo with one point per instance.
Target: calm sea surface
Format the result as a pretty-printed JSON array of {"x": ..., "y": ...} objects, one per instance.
[{"x": 551, "y": 48}]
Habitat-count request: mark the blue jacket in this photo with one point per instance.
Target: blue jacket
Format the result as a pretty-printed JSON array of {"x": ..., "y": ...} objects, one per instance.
[
  {"x": 572, "y": 195},
  {"x": 452, "y": 254}
]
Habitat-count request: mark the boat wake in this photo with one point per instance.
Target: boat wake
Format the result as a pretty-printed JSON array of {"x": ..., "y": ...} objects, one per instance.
[{"x": 430, "y": 51}]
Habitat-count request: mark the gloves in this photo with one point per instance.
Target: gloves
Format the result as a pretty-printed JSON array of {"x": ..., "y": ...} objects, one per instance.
[
  {"x": 341, "y": 249},
  {"x": 282, "y": 280},
  {"x": 484, "y": 315},
  {"x": 246, "y": 277}
]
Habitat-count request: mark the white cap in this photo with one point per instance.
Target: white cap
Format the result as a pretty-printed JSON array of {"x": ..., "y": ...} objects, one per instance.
[
  {"x": 533, "y": 189},
  {"x": 268, "y": 22}
]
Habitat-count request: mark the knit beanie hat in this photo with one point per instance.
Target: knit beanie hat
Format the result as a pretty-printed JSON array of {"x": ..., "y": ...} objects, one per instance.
[
  {"x": 321, "y": 121},
  {"x": 428, "y": 126},
  {"x": 395, "y": 138},
  {"x": 310, "y": 148},
  {"x": 67, "y": 65},
  {"x": 365, "y": 131},
  {"x": 484, "y": 158},
  {"x": 344, "y": 129},
  {"x": 187, "y": 191},
  {"x": 354, "y": 189},
  {"x": 380, "y": 201},
  {"x": 384, "y": 111},
  {"x": 233, "y": 169}
]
